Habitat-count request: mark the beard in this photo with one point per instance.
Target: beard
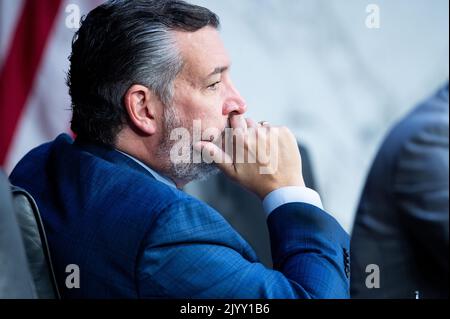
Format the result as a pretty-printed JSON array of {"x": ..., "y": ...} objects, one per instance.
[{"x": 181, "y": 171}]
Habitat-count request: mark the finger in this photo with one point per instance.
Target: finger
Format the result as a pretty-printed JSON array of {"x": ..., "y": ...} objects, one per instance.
[
  {"x": 237, "y": 121},
  {"x": 212, "y": 153},
  {"x": 250, "y": 123},
  {"x": 264, "y": 124}
]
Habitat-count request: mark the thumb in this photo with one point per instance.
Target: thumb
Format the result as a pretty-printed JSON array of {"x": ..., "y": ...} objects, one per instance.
[{"x": 212, "y": 153}]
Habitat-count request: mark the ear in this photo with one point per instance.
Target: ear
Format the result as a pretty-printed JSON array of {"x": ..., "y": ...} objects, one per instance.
[{"x": 140, "y": 104}]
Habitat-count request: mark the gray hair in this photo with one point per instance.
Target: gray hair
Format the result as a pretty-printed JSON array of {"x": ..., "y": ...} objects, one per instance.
[{"x": 121, "y": 43}]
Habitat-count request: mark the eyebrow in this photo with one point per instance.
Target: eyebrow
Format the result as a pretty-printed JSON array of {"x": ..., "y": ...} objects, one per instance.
[{"x": 218, "y": 70}]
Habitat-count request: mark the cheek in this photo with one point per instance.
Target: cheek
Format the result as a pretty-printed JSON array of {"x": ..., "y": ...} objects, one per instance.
[
  {"x": 207, "y": 109},
  {"x": 214, "y": 117}
]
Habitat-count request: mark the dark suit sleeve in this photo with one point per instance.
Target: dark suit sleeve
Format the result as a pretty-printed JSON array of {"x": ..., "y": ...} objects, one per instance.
[
  {"x": 192, "y": 252},
  {"x": 421, "y": 190}
]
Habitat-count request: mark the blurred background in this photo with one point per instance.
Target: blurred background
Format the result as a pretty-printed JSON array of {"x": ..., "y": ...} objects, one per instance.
[{"x": 316, "y": 66}]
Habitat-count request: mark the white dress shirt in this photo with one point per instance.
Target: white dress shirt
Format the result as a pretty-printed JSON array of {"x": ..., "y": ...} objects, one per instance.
[{"x": 157, "y": 176}]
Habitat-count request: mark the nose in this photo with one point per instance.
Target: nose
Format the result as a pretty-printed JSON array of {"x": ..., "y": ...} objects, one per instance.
[{"x": 234, "y": 102}]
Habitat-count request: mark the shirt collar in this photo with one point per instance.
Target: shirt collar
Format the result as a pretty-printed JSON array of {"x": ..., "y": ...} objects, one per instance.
[{"x": 157, "y": 176}]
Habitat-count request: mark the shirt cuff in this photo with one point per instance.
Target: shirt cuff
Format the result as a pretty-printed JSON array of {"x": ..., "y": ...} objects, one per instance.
[{"x": 291, "y": 194}]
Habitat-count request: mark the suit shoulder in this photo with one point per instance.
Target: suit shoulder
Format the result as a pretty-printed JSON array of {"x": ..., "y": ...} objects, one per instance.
[{"x": 429, "y": 117}]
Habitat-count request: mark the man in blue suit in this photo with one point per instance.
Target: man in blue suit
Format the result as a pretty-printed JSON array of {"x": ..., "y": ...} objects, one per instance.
[{"x": 142, "y": 74}]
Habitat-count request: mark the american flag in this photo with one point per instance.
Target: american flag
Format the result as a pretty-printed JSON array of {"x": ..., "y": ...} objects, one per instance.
[{"x": 35, "y": 42}]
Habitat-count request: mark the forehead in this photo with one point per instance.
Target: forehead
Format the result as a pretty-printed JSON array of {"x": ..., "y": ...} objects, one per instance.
[{"x": 202, "y": 51}]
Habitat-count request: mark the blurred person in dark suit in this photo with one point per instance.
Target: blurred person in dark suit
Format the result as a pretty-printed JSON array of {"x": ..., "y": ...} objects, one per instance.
[
  {"x": 111, "y": 201},
  {"x": 402, "y": 223}
]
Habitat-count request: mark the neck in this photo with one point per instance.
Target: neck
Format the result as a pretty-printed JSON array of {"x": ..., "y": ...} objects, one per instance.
[
  {"x": 144, "y": 150},
  {"x": 147, "y": 150}
]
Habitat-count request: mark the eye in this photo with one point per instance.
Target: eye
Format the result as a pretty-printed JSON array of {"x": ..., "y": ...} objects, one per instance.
[{"x": 214, "y": 86}]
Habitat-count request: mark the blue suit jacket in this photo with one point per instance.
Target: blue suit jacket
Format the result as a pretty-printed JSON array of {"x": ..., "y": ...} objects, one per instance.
[{"x": 133, "y": 236}]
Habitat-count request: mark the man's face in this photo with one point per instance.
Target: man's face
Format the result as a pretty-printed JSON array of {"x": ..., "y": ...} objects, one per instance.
[{"x": 202, "y": 91}]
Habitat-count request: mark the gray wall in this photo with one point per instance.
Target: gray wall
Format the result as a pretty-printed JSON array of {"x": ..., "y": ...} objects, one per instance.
[{"x": 314, "y": 65}]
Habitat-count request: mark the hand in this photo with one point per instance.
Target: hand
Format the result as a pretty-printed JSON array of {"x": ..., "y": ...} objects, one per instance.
[{"x": 274, "y": 150}]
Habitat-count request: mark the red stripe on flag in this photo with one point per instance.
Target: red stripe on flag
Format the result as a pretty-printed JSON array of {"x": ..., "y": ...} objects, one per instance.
[{"x": 21, "y": 64}]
